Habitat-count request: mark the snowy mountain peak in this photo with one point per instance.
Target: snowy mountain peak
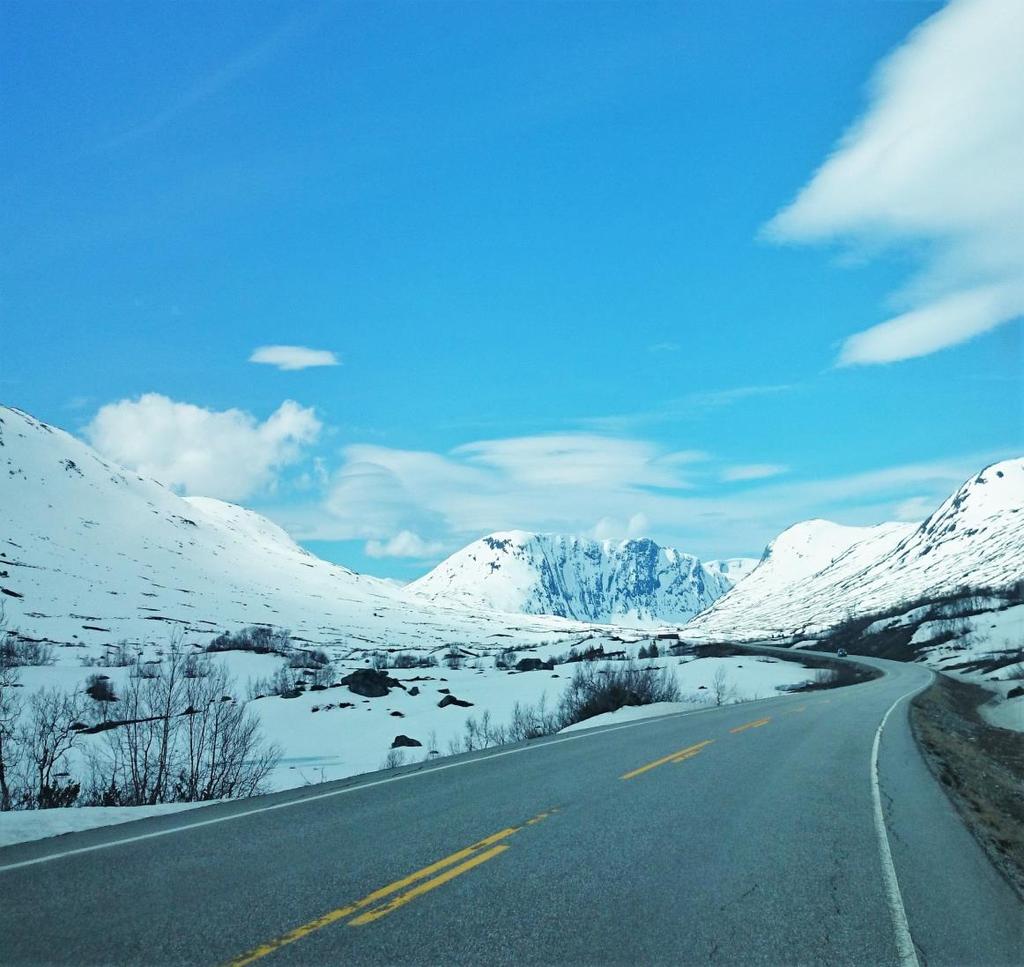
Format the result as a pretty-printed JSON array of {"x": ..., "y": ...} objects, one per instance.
[
  {"x": 816, "y": 573},
  {"x": 628, "y": 581}
]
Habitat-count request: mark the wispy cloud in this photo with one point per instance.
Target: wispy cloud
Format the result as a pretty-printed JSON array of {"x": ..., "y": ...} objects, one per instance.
[
  {"x": 227, "y": 75},
  {"x": 600, "y": 486},
  {"x": 753, "y": 471},
  {"x": 293, "y": 357},
  {"x": 689, "y": 407},
  {"x": 938, "y": 158}
]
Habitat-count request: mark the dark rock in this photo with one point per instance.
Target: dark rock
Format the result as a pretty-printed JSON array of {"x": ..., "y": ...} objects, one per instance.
[
  {"x": 444, "y": 691},
  {"x": 452, "y": 700},
  {"x": 415, "y": 690},
  {"x": 1015, "y": 692},
  {"x": 371, "y": 683},
  {"x": 534, "y": 665},
  {"x": 404, "y": 741},
  {"x": 398, "y": 715}
]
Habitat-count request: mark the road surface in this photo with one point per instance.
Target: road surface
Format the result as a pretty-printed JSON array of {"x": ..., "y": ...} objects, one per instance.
[{"x": 748, "y": 834}]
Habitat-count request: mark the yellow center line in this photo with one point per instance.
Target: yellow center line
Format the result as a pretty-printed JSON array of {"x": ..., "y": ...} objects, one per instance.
[
  {"x": 756, "y": 724},
  {"x": 793, "y": 711},
  {"x": 466, "y": 859},
  {"x": 416, "y": 891},
  {"x": 688, "y": 753}
]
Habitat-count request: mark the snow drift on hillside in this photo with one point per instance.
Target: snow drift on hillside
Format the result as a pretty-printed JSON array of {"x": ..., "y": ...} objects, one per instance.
[{"x": 633, "y": 582}]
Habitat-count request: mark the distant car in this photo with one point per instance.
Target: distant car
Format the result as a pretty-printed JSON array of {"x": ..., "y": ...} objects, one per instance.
[{"x": 840, "y": 652}]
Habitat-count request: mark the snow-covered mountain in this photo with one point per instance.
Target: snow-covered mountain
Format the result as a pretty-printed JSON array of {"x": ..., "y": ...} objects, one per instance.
[
  {"x": 92, "y": 553},
  {"x": 816, "y": 573},
  {"x": 618, "y": 582}
]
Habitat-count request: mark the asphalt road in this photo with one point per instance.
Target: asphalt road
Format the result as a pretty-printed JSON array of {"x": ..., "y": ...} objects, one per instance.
[{"x": 747, "y": 834}]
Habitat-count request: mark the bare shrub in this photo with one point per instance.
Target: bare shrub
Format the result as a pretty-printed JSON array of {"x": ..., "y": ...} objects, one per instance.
[
  {"x": 220, "y": 754},
  {"x": 594, "y": 691},
  {"x": 46, "y": 736},
  {"x": 453, "y": 659},
  {"x": 182, "y": 739},
  {"x": 394, "y": 759},
  {"x": 120, "y": 655},
  {"x": 722, "y": 693},
  {"x": 260, "y": 639},
  {"x": 532, "y": 721},
  {"x": 17, "y": 652},
  {"x": 10, "y": 748}
]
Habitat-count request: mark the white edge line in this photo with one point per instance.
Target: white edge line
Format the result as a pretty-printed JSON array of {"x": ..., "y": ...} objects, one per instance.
[
  {"x": 904, "y": 941},
  {"x": 584, "y": 734}
]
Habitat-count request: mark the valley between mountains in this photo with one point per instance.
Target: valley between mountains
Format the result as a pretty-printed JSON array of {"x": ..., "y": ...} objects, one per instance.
[{"x": 104, "y": 574}]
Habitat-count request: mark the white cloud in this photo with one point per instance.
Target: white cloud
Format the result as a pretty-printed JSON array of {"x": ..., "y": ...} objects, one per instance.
[
  {"x": 913, "y": 509},
  {"x": 607, "y": 528},
  {"x": 293, "y": 357},
  {"x": 938, "y": 158},
  {"x": 227, "y": 453},
  {"x": 405, "y": 544},
  {"x": 753, "y": 471}
]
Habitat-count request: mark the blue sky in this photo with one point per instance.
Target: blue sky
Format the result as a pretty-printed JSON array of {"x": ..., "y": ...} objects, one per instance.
[{"x": 541, "y": 243}]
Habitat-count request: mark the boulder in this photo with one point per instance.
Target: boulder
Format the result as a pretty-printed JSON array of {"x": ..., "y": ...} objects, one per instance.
[
  {"x": 403, "y": 741},
  {"x": 452, "y": 700},
  {"x": 371, "y": 683}
]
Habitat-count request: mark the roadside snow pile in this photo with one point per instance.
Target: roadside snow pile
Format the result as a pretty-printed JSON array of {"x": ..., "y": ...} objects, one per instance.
[{"x": 21, "y": 826}]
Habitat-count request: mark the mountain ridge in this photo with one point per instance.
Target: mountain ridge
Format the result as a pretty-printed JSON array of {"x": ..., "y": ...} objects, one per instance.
[{"x": 633, "y": 581}]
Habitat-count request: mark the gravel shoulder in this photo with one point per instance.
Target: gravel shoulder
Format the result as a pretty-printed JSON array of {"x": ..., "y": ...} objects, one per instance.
[{"x": 980, "y": 766}]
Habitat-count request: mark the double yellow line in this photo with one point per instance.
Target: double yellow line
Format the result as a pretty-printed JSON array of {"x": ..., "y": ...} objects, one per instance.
[
  {"x": 681, "y": 756},
  {"x": 401, "y": 892},
  {"x": 756, "y": 724},
  {"x": 691, "y": 750}
]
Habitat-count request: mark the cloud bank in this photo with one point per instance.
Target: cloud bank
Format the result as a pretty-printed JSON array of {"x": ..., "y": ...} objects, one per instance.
[
  {"x": 227, "y": 454},
  {"x": 420, "y": 504},
  {"x": 937, "y": 163}
]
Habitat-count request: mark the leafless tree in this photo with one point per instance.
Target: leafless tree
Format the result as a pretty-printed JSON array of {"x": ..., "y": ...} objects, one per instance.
[
  {"x": 721, "y": 691},
  {"x": 222, "y": 753},
  {"x": 10, "y": 750},
  {"x": 47, "y": 736}
]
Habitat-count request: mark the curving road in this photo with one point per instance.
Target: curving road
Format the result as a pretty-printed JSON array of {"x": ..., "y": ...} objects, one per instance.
[{"x": 749, "y": 834}]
